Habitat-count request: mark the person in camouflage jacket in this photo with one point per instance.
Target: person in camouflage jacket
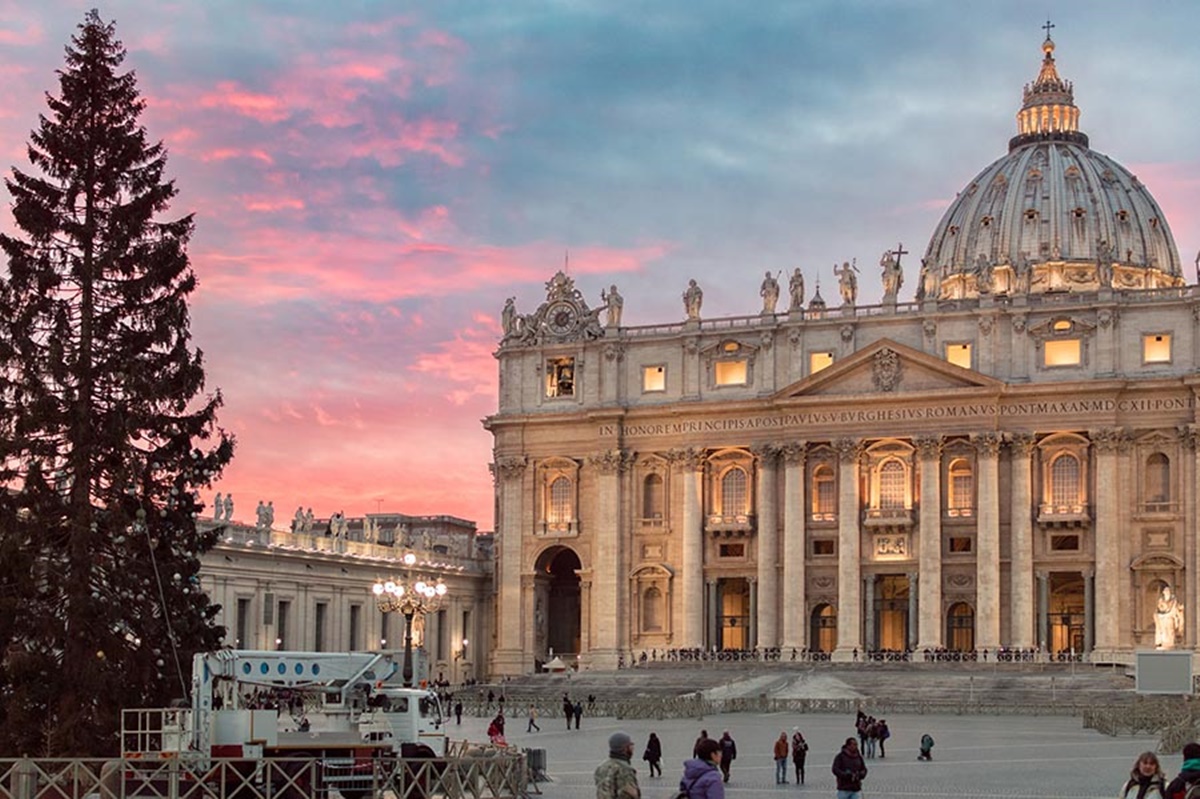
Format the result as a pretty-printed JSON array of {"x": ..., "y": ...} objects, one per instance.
[{"x": 616, "y": 778}]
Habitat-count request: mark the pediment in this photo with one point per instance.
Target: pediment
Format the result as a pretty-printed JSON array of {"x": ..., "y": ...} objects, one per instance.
[{"x": 888, "y": 368}]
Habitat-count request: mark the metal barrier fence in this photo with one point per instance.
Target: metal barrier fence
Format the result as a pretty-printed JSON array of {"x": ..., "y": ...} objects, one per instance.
[{"x": 484, "y": 773}]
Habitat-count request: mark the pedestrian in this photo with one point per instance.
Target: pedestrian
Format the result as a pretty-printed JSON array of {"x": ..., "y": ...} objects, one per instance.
[
  {"x": 884, "y": 734},
  {"x": 653, "y": 755},
  {"x": 500, "y": 701},
  {"x": 616, "y": 778},
  {"x": 926, "y": 747},
  {"x": 696, "y": 746},
  {"x": 568, "y": 710},
  {"x": 1189, "y": 772},
  {"x": 491, "y": 698},
  {"x": 533, "y": 725},
  {"x": 578, "y": 710},
  {"x": 728, "y": 753},
  {"x": 458, "y": 712},
  {"x": 850, "y": 770},
  {"x": 1146, "y": 780},
  {"x": 701, "y": 778},
  {"x": 799, "y": 754},
  {"x": 781, "y": 755}
]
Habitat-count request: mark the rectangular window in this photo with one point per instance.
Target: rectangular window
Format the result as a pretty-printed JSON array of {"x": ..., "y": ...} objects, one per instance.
[
  {"x": 1063, "y": 352},
  {"x": 654, "y": 378},
  {"x": 733, "y": 550},
  {"x": 281, "y": 631},
  {"x": 355, "y": 625},
  {"x": 322, "y": 610},
  {"x": 1156, "y": 348},
  {"x": 731, "y": 373},
  {"x": 824, "y": 546},
  {"x": 959, "y": 354},
  {"x": 243, "y": 625},
  {"x": 560, "y": 377},
  {"x": 818, "y": 361},
  {"x": 960, "y": 543},
  {"x": 1064, "y": 543}
]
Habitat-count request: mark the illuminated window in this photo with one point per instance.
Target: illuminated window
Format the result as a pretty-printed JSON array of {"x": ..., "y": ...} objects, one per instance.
[
  {"x": 962, "y": 488},
  {"x": 1158, "y": 479},
  {"x": 818, "y": 361},
  {"x": 733, "y": 492},
  {"x": 560, "y": 377},
  {"x": 652, "y": 497},
  {"x": 824, "y": 496},
  {"x": 1156, "y": 348},
  {"x": 731, "y": 373},
  {"x": 1064, "y": 481},
  {"x": 1064, "y": 352},
  {"x": 892, "y": 484},
  {"x": 959, "y": 354},
  {"x": 560, "y": 511},
  {"x": 654, "y": 378}
]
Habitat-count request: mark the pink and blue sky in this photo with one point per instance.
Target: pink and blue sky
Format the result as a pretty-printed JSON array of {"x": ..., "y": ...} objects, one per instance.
[{"x": 372, "y": 179}]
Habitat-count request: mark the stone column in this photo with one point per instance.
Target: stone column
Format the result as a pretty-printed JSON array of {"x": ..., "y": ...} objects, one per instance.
[
  {"x": 929, "y": 561},
  {"x": 1089, "y": 611},
  {"x": 692, "y": 579},
  {"x": 585, "y": 611},
  {"x": 849, "y": 623},
  {"x": 914, "y": 584},
  {"x": 766, "y": 621},
  {"x": 752, "y": 633},
  {"x": 509, "y": 657},
  {"x": 987, "y": 563},
  {"x": 608, "y": 551},
  {"x": 869, "y": 642},
  {"x": 714, "y": 615},
  {"x": 1108, "y": 570},
  {"x": 1043, "y": 611},
  {"x": 1021, "y": 522},
  {"x": 794, "y": 543}
]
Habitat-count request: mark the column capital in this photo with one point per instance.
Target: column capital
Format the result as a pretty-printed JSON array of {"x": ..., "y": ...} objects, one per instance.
[
  {"x": 929, "y": 447},
  {"x": 848, "y": 449},
  {"x": 690, "y": 459},
  {"x": 610, "y": 461},
  {"x": 510, "y": 467},
  {"x": 1108, "y": 439},
  {"x": 986, "y": 444},
  {"x": 765, "y": 453},
  {"x": 1189, "y": 434},
  {"x": 1021, "y": 443},
  {"x": 794, "y": 452}
]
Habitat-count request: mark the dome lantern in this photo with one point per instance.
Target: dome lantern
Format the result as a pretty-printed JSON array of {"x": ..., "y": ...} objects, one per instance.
[{"x": 1048, "y": 109}]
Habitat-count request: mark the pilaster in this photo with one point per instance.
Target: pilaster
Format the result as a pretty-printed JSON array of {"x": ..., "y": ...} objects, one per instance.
[
  {"x": 849, "y": 628},
  {"x": 929, "y": 560},
  {"x": 768, "y": 548},
  {"x": 1108, "y": 572},
  {"x": 987, "y": 559},
  {"x": 510, "y": 657},
  {"x": 1021, "y": 527},
  {"x": 690, "y": 462},
  {"x": 794, "y": 615}
]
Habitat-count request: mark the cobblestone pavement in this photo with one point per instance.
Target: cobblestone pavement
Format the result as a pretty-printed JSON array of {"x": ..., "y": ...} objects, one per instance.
[{"x": 975, "y": 756}]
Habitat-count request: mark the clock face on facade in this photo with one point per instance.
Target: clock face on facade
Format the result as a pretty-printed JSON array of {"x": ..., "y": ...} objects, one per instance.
[{"x": 561, "y": 318}]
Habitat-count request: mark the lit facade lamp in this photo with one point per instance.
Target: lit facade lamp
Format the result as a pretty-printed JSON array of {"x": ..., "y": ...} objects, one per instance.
[{"x": 411, "y": 595}]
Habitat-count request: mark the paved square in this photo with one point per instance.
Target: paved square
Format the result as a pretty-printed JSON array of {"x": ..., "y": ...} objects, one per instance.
[{"x": 975, "y": 756}]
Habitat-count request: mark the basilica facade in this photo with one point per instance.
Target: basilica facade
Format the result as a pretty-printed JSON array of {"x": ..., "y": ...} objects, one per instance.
[{"x": 1009, "y": 459}]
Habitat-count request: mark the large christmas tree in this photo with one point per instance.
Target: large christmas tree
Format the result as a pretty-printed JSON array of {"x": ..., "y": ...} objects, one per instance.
[{"x": 106, "y": 431}]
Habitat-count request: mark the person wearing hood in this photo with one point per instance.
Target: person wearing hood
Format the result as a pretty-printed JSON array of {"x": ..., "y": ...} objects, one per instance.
[
  {"x": 1146, "y": 780},
  {"x": 616, "y": 778},
  {"x": 728, "y": 753},
  {"x": 850, "y": 770},
  {"x": 702, "y": 774},
  {"x": 1189, "y": 772}
]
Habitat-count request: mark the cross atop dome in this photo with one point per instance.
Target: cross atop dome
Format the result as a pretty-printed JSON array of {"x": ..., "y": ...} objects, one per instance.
[{"x": 1048, "y": 110}]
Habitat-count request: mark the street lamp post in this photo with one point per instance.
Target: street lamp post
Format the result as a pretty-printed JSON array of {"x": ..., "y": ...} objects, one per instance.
[{"x": 410, "y": 596}]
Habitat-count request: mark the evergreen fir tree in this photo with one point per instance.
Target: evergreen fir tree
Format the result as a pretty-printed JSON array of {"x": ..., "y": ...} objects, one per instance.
[{"x": 106, "y": 433}]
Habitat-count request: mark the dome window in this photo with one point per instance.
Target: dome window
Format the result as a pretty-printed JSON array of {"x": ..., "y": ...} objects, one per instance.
[
  {"x": 1122, "y": 215},
  {"x": 953, "y": 229},
  {"x": 1072, "y": 173},
  {"x": 1079, "y": 213},
  {"x": 1031, "y": 215},
  {"x": 986, "y": 221},
  {"x": 1154, "y": 223}
]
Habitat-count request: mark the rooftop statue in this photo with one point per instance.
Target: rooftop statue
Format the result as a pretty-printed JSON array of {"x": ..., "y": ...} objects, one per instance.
[
  {"x": 769, "y": 291},
  {"x": 796, "y": 290},
  {"x": 847, "y": 281},
  {"x": 693, "y": 297}
]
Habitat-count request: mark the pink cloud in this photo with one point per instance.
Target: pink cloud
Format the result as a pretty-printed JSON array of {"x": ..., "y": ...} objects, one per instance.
[
  {"x": 229, "y": 96},
  {"x": 230, "y": 153},
  {"x": 271, "y": 204}
]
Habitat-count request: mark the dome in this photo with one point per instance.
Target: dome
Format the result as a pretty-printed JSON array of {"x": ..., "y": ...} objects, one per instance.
[{"x": 1051, "y": 215}]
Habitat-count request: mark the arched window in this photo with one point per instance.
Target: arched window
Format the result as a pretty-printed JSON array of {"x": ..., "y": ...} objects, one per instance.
[
  {"x": 733, "y": 492},
  {"x": 962, "y": 488},
  {"x": 652, "y": 610},
  {"x": 960, "y": 627},
  {"x": 892, "y": 480},
  {"x": 1158, "y": 480},
  {"x": 652, "y": 497},
  {"x": 824, "y": 493},
  {"x": 560, "y": 510},
  {"x": 823, "y": 630},
  {"x": 1064, "y": 481}
]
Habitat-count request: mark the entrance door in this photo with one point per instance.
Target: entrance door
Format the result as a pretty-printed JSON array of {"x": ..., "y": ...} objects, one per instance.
[
  {"x": 960, "y": 628},
  {"x": 563, "y": 605},
  {"x": 735, "y": 613},
  {"x": 891, "y": 612},
  {"x": 823, "y": 631},
  {"x": 1066, "y": 613}
]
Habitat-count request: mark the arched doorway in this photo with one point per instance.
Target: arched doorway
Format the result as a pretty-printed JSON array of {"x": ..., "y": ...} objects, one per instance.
[
  {"x": 823, "y": 630},
  {"x": 557, "y": 603},
  {"x": 960, "y": 628}
]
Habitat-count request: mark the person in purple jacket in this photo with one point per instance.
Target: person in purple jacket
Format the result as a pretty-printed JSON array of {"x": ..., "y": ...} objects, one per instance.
[{"x": 702, "y": 774}]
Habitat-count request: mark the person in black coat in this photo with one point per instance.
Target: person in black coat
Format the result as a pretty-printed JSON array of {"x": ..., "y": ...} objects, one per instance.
[
  {"x": 653, "y": 754},
  {"x": 850, "y": 770},
  {"x": 728, "y": 753},
  {"x": 1188, "y": 773}
]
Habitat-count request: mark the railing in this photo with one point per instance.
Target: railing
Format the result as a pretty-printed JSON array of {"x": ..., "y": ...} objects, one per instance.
[{"x": 477, "y": 773}]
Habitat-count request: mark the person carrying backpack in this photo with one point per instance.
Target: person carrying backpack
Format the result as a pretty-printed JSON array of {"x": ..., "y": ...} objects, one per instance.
[
  {"x": 702, "y": 774},
  {"x": 1187, "y": 784}
]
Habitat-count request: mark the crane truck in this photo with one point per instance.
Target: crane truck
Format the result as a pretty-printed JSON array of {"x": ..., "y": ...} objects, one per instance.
[{"x": 339, "y": 713}]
